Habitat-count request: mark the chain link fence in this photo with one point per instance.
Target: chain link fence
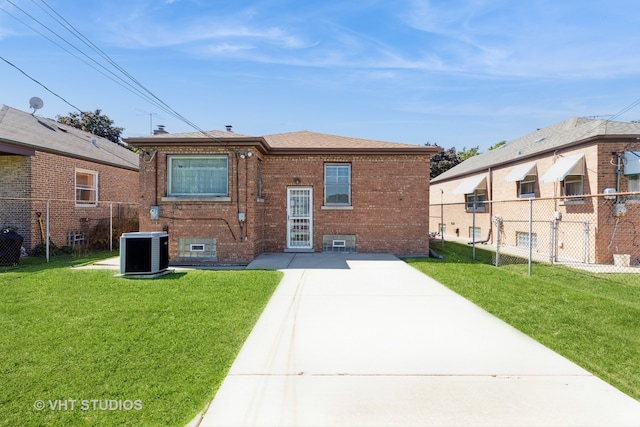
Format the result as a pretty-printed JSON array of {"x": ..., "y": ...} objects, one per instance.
[
  {"x": 595, "y": 233},
  {"x": 49, "y": 226}
]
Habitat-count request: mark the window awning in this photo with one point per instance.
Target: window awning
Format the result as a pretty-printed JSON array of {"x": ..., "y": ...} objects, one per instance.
[
  {"x": 472, "y": 184},
  {"x": 570, "y": 165},
  {"x": 520, "y": 172}
]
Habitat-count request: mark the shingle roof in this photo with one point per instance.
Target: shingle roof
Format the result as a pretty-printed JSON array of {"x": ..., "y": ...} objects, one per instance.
[
  {"x": 42, "y": 134},
  {"x": 301, "y": 142},
  {"x": 551, "y": 138},
  {"x": 306, "y": 139}
]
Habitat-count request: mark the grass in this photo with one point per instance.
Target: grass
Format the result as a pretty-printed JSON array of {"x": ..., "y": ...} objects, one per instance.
[
  {"x": 591, "y": 319},
  {"x": 158, "y": 347}
]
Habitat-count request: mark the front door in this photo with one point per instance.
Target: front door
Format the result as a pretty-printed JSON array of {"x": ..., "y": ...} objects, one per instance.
[{"x": 299, "y": 218}]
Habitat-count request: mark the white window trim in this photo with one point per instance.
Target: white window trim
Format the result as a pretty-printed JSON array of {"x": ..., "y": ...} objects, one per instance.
[
  {"x": 529, "y": 179},
  {"x": 82, "y": 203},
  {"x": 479, "y": 206},
  {"x": 329, "y": 205},
  {"x": 184, "y": 196},
  {"x": 573, "y": 198}
]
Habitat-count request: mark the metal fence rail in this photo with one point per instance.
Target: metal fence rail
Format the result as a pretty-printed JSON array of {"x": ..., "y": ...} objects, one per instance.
[{"x": 595, "y": 232}]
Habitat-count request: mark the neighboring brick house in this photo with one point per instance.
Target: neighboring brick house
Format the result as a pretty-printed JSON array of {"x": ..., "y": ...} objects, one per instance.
[
  {"x": 226, "y": 198},
  {"x": 76, "y": 172},
  {"x": 554, "y": 166}
]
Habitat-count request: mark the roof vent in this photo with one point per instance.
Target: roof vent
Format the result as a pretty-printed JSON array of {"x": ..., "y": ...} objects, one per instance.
[
  {"x": 538, "y": 140},
  {"x": 229, "y": 128}
]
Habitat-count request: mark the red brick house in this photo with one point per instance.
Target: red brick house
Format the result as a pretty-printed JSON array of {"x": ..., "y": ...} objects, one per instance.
[
  {"x": 226, "y": 198},
  {"x": 76, "y": 173}
]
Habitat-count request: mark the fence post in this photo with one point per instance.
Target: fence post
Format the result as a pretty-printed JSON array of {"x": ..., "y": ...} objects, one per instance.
[
  {"x": 46, "y": 240},
  {"x": 587, "y": 255},
  {"x": 497, "y": 221},
  {"x": 111, "y": 226},
  {"x": 530, "y": 234},
  {"x": 441, "y": 220},
  {"x": 473, "y": 230}
]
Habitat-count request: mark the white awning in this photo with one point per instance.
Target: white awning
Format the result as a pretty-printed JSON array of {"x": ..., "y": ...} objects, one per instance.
[
  {"x": 518, "y": 173},
  {"x": 570, "y": 165},
  {"x": 472, "y": 184}
]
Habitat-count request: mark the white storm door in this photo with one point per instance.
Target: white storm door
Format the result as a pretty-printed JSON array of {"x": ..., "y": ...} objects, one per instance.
[{"x": 299, "y": 218}]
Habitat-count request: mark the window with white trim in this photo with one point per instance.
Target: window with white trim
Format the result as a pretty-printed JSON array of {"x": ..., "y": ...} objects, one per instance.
[
  {"x": 86, "y": 186},
  {"x": 527, "y": 187},
  {"x": 475, "y": 201},
  {"x": 337, "y": 184},
  {"x": 573, "y": 185},
  {"x": 198, "y": 176}
]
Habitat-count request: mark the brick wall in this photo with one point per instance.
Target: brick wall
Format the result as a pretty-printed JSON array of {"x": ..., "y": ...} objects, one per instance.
[
  {"x": 599, "y": 174},
  {"x": 389, "y": 198},
  {"x": 51, "y": 177}
]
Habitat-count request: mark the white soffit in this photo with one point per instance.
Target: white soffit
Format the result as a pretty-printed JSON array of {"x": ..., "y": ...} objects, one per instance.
[
  {"x": 472, "y": 184},
  {"x": 518, "y": 173},
  {"x": 570, "y": 165},
  {"x": 632, "y": 162}
]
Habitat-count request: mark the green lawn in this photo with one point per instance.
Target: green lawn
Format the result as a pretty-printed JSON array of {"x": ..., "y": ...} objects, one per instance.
[
  {"x": 591, "y": 319},
  {"x": 146, "y": 352}
]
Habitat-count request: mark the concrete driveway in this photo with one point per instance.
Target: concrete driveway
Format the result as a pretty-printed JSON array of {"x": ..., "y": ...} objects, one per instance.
[{"x": 366, "y": 340}]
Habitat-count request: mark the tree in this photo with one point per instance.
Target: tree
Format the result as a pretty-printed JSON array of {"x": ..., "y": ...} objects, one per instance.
[
  {"x": 497, "y": 145},
  {"x": 94, "y": 122},
  {"x": 464, "y": 154},
  {"x": 443, "y": 161}
]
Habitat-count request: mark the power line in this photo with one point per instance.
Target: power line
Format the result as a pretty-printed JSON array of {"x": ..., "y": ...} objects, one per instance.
[
  {"x": 36, "y": 81},
  {"x": 136, "y": 88}
]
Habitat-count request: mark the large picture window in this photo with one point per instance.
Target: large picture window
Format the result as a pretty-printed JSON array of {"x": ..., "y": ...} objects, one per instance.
[
  {"x": 86, "y": 186},
  {"x": 198, "y": 176},
  {"x": 337, "y": 184}
]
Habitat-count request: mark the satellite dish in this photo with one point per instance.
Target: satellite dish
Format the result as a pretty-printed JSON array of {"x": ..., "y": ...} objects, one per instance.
[{"x": 35, "y": 103}]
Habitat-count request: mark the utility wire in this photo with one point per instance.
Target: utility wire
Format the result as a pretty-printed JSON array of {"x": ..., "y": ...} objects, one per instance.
[
  {"x": 36, "y": 81},
  {"x": 120, "y": 81},
  {"x": 137, "y": 88}
]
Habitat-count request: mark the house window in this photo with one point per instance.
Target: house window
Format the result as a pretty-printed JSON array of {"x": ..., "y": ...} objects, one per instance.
[
  {"x": 633, "y": 184},
  {"x": 573, "y": 185},
  {"x": 337, "y": 184},
  {"x": 259, "y": 180},
  {"x": 523, "y": 240},
  {"x": 527, "y": 187},
  {"x": 475, "y": 201},
  {"x": 86, "y": 188},
  {"x": 198, "y": 176}
]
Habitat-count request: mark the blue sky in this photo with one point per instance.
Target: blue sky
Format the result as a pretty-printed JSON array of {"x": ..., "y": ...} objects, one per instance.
[{"x": 457, "y": 73}]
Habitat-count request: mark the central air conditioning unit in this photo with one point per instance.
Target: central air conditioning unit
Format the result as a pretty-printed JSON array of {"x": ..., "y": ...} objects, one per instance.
[{"x": 144, "y": 252}]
